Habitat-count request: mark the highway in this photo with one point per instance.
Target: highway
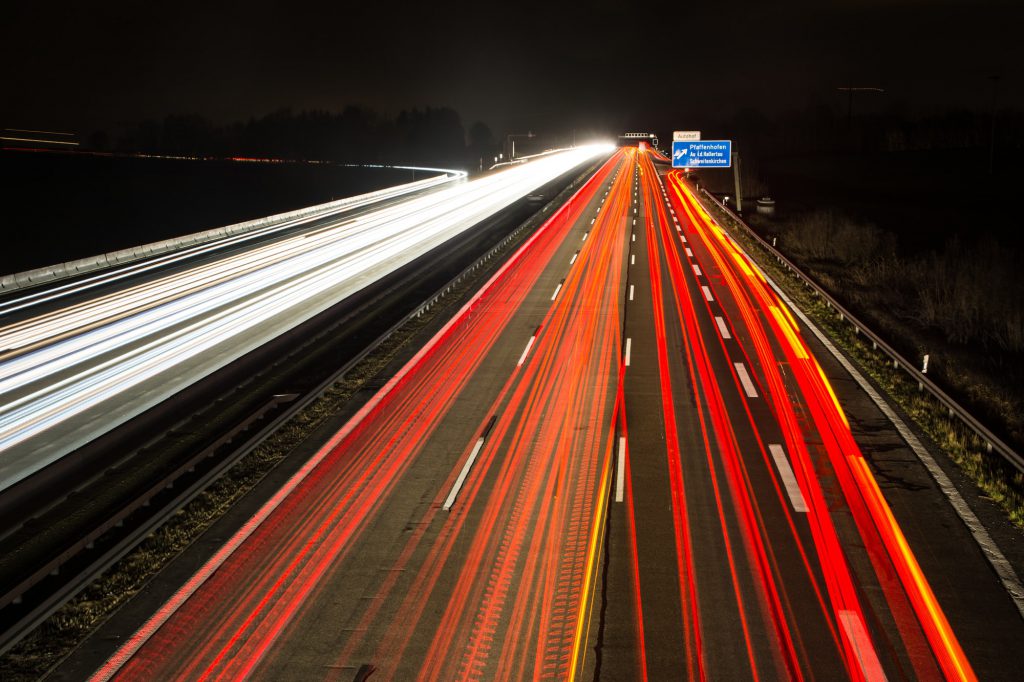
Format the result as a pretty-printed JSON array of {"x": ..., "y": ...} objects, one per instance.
[
  {"x": 78, "y": 360},
  {"x": 787, "y": 561},
  {"x": 619, "y": 460}
]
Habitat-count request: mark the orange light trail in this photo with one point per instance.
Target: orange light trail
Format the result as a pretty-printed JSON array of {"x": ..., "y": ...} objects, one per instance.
[
  {"x": 871, "y": 512},
  {"x": 706, "y": 386},
  {"x": 316, "y": 528},
  {"x": 680, "y": 516},
  {"x": 503, "y": 583}
]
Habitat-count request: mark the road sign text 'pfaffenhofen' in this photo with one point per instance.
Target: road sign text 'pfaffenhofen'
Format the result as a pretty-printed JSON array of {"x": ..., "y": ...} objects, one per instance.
[{"x": 702, "y": 154}]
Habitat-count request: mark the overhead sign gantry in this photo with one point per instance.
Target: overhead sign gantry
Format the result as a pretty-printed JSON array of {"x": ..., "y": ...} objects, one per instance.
[{"x": 649, "y": 138}]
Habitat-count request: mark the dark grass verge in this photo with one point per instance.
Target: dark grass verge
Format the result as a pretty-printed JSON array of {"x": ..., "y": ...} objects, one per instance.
[
  {"x": 963, "y": 305},
  {"x": 998, "y": 480},
  {"x": 57, "y": 637}
]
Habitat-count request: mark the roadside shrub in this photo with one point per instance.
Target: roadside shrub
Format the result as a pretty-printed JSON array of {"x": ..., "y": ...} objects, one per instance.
[
  {"x": 829, "y": 236},
  {"x": 973, "y": 295}
]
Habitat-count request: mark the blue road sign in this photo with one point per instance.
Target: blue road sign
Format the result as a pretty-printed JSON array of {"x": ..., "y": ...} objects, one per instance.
[{"x": 702, "y": 154}]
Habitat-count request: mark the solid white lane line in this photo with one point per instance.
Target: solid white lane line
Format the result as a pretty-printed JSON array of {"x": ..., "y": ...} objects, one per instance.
[
  {"x": 707, "y": 293},
  {"x": 526, "y": 351},
  {"x": 748, "y": 385},
  {"x": 722, "y": 329},
  {"x": 696, "y": 269},
  {"x": 462, "y": 475},
  {"x": 620, "y": 470},
  {"x": 557, "y": 289},
  {"x": 629, "y": 345},
  {"x": 688, "y": 252},
  {"x": 1003, "y": 568},
  {"x": 573, "y": 259},
  {"x": 631, "y": 292},
  {"x": 788, "y": 478},
  {"x": 862, "y": 646}
]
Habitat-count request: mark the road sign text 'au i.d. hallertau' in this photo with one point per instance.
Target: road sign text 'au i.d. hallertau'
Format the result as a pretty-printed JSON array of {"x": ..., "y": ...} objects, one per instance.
[{"x": 702, "y": 154}]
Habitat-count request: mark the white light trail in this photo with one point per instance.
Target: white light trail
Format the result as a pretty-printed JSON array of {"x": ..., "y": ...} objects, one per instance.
[
  {"x": 68, "y": 376},
  {"x": 119, "y": 273}
]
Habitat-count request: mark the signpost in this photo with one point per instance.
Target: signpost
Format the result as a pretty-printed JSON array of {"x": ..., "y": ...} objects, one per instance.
[
  {"x": 702, "y": 154},
  {"x": 685, "y": 135}
]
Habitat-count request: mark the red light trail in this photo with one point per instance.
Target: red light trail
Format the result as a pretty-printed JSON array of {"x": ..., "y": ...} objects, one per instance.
[
  {"x": 455, "y": 528},
  {"x": 861, "y": 492}
]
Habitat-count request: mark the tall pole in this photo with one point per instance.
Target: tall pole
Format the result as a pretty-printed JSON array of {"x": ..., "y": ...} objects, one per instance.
[
  {"x": 992, "y": 130},
  {"x": 736, "y": 180},
  {"x": 510, "y": 139}
]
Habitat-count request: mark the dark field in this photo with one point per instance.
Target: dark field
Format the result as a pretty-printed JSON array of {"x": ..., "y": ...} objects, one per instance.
[
  {"x": 60, "y": 207},
  {"x": 925, "y": 247},
  {"x": 923, "y": 198}
]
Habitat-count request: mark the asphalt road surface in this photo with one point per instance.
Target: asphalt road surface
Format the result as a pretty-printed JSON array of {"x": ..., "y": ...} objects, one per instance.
[{"x": 620, "y": 460}]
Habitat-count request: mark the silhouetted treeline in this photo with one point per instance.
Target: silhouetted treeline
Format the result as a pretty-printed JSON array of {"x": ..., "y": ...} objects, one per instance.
[
  {"x": 970, "y": 294},
  {"x": 431, "y": 136}
]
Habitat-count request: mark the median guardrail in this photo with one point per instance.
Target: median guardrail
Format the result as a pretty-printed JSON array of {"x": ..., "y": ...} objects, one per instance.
[
  {"x": 51, "y": 273},
  {"x": 291, "y": 405},
  {"x": 992, "y": 442}
]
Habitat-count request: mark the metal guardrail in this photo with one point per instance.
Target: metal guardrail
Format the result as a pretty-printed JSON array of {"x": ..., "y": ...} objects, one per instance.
[
  {"x": 122, "y": 547},
  {"x": 953, "y": 408},
  {"x": 59, "y": 271},
  {"x": 528, "y": 158}
]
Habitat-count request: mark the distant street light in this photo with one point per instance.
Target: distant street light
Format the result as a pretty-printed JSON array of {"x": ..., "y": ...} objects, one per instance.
[
  {"x": 510, "y": 139},
  {"x": 849, "y": 101}
]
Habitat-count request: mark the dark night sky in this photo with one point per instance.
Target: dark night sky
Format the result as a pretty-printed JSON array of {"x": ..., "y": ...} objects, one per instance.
[{"x": 538, "y": 65}]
